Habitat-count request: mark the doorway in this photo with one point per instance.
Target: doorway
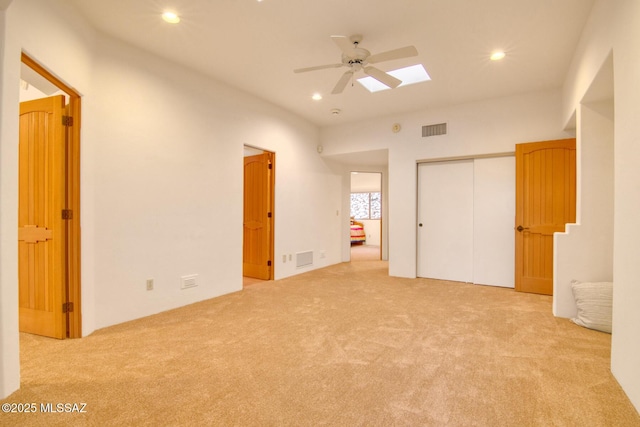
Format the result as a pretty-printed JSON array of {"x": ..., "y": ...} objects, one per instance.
[
  {"x": 366, "y": 216},
  {"x": 49, "y": 205},
  {"x": 258, "y": 215}
]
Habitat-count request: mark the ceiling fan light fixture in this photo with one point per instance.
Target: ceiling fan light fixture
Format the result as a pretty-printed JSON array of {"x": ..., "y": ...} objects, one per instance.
[
  {"x": 316, "y": 97},
  {"x": 171, "y": 17},
  {"x": 498, "y": 55},
  {"x": 357, "y": 59}
]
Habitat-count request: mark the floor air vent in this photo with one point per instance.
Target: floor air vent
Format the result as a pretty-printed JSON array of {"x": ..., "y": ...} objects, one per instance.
[
  {"x": 304, "y": 258},
  {"x": 433, "y": 130}
]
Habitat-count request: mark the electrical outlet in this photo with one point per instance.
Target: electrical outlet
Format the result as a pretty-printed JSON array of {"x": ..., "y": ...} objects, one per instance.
[
  {"x": 149, "y": 284},
  {"x": 284, "y": 258},
  {"x": 290, "y": 257},
  {"x": 323, "y": 254}
]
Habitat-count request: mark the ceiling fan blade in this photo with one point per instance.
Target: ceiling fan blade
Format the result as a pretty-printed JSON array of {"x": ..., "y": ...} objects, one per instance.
[
  {"x": 383, "y": 77},
  {"x": 342, "y": 83},
  {"x": 343, "y": 43},
  {"x": 403, "y": 52},
  {"x": 319, "y": 67}
]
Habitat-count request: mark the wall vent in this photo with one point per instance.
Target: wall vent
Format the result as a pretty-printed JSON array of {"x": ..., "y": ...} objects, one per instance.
[
  {"x": 189, "y": 281},
  {"x": 304, "y": 258},
  {"x": 433, "y": 130}
]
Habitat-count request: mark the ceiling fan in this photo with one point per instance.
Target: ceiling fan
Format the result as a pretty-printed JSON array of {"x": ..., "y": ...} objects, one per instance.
[{"x": 356, "y": 58}]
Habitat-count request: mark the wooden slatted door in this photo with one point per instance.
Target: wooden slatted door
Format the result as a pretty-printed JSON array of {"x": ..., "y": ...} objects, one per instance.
[
  {"x": 41, "y": 259},
  {"x": 545, "y": 203},
  {"x": 258, "y": 216}
]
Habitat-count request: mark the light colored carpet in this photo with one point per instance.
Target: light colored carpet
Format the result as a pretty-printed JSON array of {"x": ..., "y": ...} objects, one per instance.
[
  {"x": 365, "y": 253},
  {"x": 341, "y": 346}
]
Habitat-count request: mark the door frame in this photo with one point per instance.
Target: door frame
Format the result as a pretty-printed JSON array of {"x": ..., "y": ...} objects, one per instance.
[
  {"x": 72, "y": 277},
  {"x": 382, "y": 204}
]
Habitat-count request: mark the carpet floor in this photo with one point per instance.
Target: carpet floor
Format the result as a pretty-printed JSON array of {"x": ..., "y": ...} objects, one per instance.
[
  {"x": 365, "y": 253},
  {"x": 345, "y": 345}
]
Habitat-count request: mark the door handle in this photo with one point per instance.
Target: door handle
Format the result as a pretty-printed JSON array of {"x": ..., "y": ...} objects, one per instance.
[
  {"x": 520, "y": 228},
  {"x": 420, "y": 225}
]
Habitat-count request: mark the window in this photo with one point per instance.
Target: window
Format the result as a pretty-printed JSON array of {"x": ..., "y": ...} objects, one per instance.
[{"x": 366, "y": 205}]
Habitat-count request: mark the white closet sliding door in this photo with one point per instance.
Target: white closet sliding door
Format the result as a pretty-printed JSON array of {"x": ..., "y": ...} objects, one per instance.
[
  {"x": 445, "y": 210},
  {"x": 467, "y": 210},
  {"x": 494, "y": 195}
]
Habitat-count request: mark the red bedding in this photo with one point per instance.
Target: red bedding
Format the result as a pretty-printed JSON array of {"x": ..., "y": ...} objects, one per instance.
[{"x": 357, "y": 232}]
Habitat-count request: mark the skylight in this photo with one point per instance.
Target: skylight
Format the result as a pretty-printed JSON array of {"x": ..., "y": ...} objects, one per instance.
[{"x": 408, "y": 75}]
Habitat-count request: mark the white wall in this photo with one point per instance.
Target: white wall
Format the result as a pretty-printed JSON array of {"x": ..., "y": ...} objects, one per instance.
[
  {"x": 490, "y": 126},
  {"x": 372, "y": 231},
  {"x": 161, "y": 175},
  {"x": 365, "y": 182},
  {"x": 167, "y": 187},
  {"x": 9, "y": 356},
  {"x": 172, "y": 178},
  {"x": 584, "y": 251},
  {"x": 615, "y": 26}
]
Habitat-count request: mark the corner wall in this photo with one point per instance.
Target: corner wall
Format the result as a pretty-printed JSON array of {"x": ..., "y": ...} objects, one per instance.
[
  {"x": 615, "y": 27},
  {"x": 9, "y": 357},
  {"x": 584, "y": 252}
]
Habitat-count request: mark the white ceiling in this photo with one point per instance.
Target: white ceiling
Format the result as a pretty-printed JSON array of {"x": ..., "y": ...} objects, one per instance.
[{"x": 255, "y": 46}]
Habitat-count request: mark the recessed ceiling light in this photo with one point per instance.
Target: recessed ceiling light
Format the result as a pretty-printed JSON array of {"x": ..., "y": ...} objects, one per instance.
[
  {"x": 316, "y": 97},
  {"x": 408, "y": 75},
  {"x": 171, "y": 17},
  {"x": 497, "y": 56}
]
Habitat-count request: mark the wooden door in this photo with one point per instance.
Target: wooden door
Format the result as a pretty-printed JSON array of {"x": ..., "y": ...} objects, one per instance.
[
  {"x": 41, "y": 241},
  {"x": 257, "y": 257},
  {"x": 545, "y": 203}
]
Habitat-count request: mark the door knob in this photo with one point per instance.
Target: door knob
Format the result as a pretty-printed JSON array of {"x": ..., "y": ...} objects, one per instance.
[
  {"x": 420, "y": 225},
  {"x": 520, "y": 228}
]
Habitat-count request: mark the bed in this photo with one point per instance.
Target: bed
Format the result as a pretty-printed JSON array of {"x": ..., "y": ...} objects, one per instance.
[{"x": 358, "y": 236}]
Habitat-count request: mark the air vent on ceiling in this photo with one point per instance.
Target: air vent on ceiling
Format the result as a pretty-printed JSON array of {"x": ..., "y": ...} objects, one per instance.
[{"x": 433, "y": 130}]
